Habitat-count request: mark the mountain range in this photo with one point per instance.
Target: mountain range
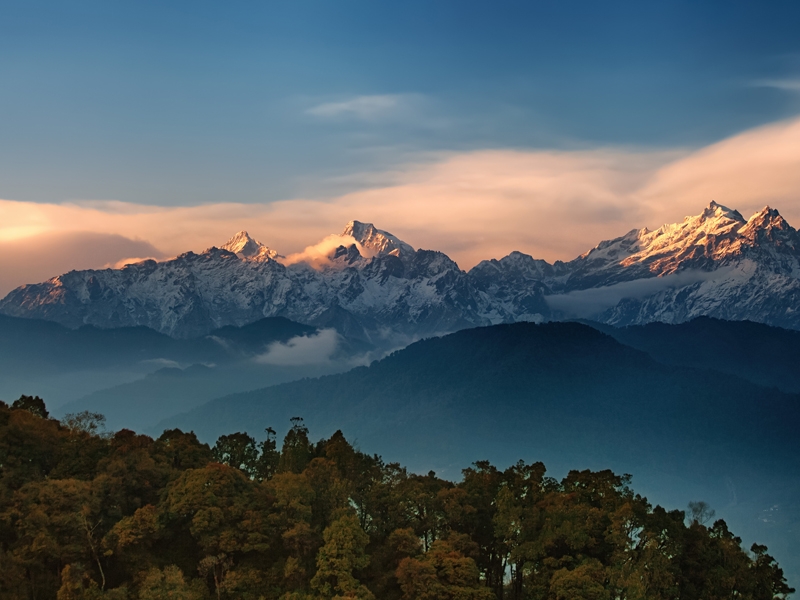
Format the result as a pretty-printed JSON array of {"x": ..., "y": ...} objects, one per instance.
[{"x": 377, "y": 289}]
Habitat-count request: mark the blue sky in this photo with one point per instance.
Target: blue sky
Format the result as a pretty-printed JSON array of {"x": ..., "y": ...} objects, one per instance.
[{"x": 182, "y": 103}]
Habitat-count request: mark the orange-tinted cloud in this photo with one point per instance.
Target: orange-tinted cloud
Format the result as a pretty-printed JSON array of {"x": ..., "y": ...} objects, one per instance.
[
  {"x": 38, "y": 257},
  {"x": 748, "y": 171},
  {"x": 476, "y": 205},
  {"x": 318, "y": 255}
]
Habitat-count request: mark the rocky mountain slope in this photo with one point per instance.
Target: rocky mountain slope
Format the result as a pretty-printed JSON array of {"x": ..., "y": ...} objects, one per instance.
[
  {"x": 714, "y": 264},
  {"x": 376, "y": 288}
]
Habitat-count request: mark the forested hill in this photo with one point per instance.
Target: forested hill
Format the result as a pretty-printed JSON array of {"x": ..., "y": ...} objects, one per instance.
[
  {"x": 565, "y": 394},
  {"x": 122, "y": 517},
  {"x": 557, "y": 388},
  {"x": 763, "y": 354}
]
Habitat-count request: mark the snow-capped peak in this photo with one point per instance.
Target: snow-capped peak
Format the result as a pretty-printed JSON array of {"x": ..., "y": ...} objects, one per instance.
[
  {"x": 245, "y": 246},
  {"x": 718, "y": 211},
  {"x": 715, "y": 220},
  {"x": 242, "y": 243},
  {"x": 716, "y": 234},
  {"x": 375, "y": 240},
  {"x": 767, "y": 226},
  {"x": 767, "y": 218}
]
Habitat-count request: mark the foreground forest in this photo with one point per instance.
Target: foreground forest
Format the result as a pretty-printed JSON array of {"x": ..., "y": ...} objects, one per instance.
[{"x": 90, "y": 515}]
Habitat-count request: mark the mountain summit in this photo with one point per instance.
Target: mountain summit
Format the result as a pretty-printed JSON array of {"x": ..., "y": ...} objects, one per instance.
[
  {"x": 713, "y": 264},
  {"x": 719, "y": 236},
  {"x": 245, "y": 246},
  {"x": 377, "y": 241}
]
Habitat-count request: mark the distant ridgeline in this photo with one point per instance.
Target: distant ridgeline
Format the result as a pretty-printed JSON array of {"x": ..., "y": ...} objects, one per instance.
[
  {"x": 374, "y": 286},
  {"x": 87, "y": 515}
]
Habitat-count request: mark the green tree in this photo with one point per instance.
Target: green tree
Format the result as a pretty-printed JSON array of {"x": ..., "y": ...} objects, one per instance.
[
  {"x": 767, "y": 580},
  {"x": 133, "y": 541},
  {"x": 296, "y": 451},
  {"x": 238, "y": 450},
  {"x": 339, "y": 558},
  {"x": 132, "y": 474},
  {"x": 85, "y": 422},
  {"x": 481, "y": 483},
  {"x": 30, "y": 448},
  {"x": 183, "y": 450},
  {"x": 169, "y": 583},
  {"x": 33, "y": 404},
  {"x": 518, "y": 520},
  {"x": 292, "y": 516},
  {"x": 84, "y": 516},
  {"x": 76, "y": 584},
  {"x": 269, "y": 457},
  {"x": 217, "y": 568},
  {"x": 587, "y": 581},
  {"x": 220, "y": 508},
  {"x": 442, "y": 573},
  {"x": 57, "y": 523}
]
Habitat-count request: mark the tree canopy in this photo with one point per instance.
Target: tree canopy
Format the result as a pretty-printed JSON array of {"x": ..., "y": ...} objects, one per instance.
[{"x": 90, "y": 515}]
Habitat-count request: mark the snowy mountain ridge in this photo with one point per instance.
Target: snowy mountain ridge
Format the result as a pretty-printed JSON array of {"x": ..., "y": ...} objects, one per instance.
[
  {"x": 378, "y": 288},
  {"x": 244, "y": 246},
  {"x": 374, "y": 240}
]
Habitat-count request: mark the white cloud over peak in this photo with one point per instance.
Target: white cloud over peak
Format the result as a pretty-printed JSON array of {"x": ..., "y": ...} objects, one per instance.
[{"x": 318, "y": 254}]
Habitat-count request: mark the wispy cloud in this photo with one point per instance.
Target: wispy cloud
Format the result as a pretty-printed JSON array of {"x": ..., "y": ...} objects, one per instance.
[
  {"x": 367, "y": 108},
  {"x": 787, "y": 85}
]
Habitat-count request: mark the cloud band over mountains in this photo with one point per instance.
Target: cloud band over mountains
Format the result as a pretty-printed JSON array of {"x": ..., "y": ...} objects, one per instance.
[{"x": 474, "y": 205}]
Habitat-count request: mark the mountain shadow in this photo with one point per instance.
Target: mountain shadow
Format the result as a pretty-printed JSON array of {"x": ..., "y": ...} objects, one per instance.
[{"x": 765, "y": 355}]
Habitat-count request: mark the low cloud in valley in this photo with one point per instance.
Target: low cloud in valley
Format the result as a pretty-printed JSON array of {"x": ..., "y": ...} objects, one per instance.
[{"x": 314, "y": 349}]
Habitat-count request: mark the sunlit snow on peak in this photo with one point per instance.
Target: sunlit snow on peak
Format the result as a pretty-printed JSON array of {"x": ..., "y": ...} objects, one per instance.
[
  {"x": 376, "y": 240},
  {"x": 245, "y": 246}
]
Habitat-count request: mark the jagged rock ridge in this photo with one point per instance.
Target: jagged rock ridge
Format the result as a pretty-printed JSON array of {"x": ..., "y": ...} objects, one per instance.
[
  {"x": 398, "y": 291},
  {"x": 714, "y": 264},
  {"x": 244, "y": 246}
]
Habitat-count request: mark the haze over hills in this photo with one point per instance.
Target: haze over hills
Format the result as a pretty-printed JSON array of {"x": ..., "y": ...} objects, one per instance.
[
  {"x": 540, "y": 371},
  {"x": 373, "y": 287},
  {"x": 563, "y": 393},
  {"x": 62, "y": 365}
]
